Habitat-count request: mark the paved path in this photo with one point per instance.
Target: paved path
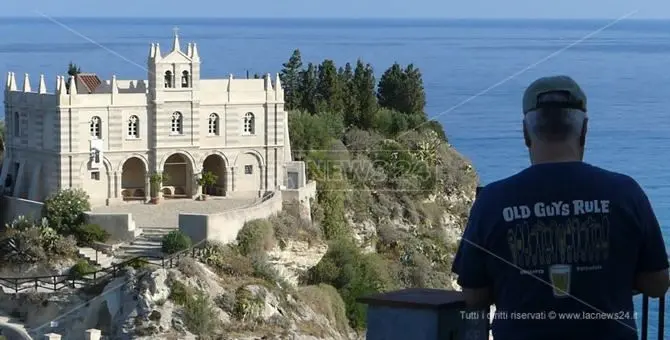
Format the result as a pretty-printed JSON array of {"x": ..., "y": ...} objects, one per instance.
[{"x": 166, "y": 213}]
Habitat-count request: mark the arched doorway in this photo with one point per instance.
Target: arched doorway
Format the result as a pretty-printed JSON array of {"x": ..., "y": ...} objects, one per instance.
[
  {"x": 216, "y": 165},
  {"x": 179, "y": 172},
  {"x": 133, "y": 179}
]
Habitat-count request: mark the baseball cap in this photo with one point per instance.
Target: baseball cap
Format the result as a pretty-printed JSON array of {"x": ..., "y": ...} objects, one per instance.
[{"x": 569, "y": 94}]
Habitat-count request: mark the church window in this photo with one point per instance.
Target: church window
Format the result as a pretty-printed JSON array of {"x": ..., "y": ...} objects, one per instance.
[
  {"x": 17, "y": 124},
  {"x": 133, "y": 127},
  {"x": 176, "y": 126},
  {"x": 249, "y": 127},
  {"x": 95, "y": 128},
  {"x": 248, "y": 169},
  {"x": 95, "y": 175},
  {"x": 168, "y": 79},
  {"x": 213, "y": 127},
  {"x": 185, "y": 79}
]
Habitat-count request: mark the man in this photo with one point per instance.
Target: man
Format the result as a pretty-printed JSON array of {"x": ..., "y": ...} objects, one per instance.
[{"x": 561, "y": 236}]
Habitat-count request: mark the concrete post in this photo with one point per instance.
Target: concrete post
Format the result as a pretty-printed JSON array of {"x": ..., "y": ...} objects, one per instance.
[
  {"x": 93, "y": 334},
  {"x": 52, "y": 336}
]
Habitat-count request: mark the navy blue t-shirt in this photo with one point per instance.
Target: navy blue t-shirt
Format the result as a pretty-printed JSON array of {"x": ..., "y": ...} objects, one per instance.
[{"x": 582, "y": 229}]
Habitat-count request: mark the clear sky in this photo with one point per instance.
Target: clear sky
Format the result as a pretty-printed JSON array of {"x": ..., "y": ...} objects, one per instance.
[{"x": 657, "y": 9}]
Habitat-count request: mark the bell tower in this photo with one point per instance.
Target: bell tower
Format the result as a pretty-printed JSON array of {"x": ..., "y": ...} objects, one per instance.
[{"x": 177, "y": 71}]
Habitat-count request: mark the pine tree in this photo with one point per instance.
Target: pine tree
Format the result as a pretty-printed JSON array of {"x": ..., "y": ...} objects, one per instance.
[
  {"x": 290, "y": 78},
  {"x": 415, "y": 92},
  {"x": 307, "y": 87},
  {"x": 390, "y": 88},
  {"x": 72, "y": 70},
  {"x": 350, "y": 106},
  {"x": 402, "y": 89},
  {"x": 364, "y": 93},
  {"x": 330, "y": 89}
]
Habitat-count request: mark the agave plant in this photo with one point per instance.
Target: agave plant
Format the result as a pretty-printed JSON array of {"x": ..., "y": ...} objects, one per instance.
[{"x": 20, "y": 223}]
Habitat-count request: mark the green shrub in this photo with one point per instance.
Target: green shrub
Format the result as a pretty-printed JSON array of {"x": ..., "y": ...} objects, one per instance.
[
  {"x": 179, "y": 293},
  {"x": 65, "y": 210},
  {"x": 325, "y": 300},
  {"x": 289, "y": 225},
  {"x": 174, "y": 242},
  {"x": 35, "y": 243},
  {"x": 263, "y": 269},
  {"x": 227, "y": 260},
  {"x": 353, "y": 274},
  {"x": 199, "y": 313},
  {"x": 256, "y": 236},
  {"x": 81, "y": 269},
  {"x": 200, "y": 317},
  {"x": 89, "y": 234}
]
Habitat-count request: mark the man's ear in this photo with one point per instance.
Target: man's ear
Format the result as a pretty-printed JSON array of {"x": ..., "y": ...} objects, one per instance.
[
  {"x": 582, "y": 137},
  {"x": 526, "y": 136}
]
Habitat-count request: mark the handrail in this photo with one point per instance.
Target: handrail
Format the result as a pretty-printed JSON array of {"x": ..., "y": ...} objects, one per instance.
[{"x": 60, "y": 281}]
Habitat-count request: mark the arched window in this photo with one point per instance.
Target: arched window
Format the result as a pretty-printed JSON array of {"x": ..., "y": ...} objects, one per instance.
[
  {"x": 168, "y": 79},
  {"x": 249, "y": 128},
  {"x": 95, "y": 128},
  {"x": 185, "y": 80},
  {"x": 176, "y": 126},
  {"x": 133, "y": 127},
  {"x": 213, "y": 127},
  {"x": 17, "y": 124}
]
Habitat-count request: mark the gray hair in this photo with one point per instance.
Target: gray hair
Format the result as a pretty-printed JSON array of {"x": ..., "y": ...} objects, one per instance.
[{"x": 554, "y": 124}]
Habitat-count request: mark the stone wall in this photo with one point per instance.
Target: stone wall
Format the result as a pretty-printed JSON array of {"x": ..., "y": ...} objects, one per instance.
[
  {"x": 224, "y": 227},
  {"x": 120, "y": 226},
  {"x": 12, "y": 207}
]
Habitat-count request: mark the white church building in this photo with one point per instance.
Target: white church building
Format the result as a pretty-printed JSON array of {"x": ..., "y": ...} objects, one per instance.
[{"x": 109, "y": 136}]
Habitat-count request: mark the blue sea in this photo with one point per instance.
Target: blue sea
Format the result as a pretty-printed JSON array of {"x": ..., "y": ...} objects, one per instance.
[{"x": 474, "y": 71}]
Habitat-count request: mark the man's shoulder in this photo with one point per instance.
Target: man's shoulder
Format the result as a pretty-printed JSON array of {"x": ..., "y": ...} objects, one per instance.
[{"x": 622, "y": 180}]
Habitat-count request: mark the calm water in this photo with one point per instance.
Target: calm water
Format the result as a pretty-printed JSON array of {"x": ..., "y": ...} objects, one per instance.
[{"x": 623, "y": 69}]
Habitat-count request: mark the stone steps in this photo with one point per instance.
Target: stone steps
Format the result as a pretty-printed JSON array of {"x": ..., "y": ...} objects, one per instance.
[
  {"x": 103, "y": 260},
  {"x": 147, "y": 244}
]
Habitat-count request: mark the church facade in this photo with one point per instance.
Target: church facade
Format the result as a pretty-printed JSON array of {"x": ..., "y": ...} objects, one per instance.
[{"x": 109, "y": 137}]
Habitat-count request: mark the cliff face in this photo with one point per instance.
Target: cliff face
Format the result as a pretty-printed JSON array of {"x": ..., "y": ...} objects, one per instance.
[{"x": 237, "y": 293}]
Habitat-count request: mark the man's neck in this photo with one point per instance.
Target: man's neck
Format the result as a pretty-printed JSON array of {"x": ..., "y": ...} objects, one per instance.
[{"x": 554, "y": 155}]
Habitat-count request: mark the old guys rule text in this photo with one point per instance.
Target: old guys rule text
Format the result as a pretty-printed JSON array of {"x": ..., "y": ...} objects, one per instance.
[{"x": 560, "y": 208}]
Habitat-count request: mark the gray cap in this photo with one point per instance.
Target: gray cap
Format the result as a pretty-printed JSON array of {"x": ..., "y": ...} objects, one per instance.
[{"x": 553, "y": 84}]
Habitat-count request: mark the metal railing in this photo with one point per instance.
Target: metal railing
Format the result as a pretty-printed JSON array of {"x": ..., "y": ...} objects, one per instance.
[
  {"x": 644, "y": 326},
  {"x": 55, "y": 283}
]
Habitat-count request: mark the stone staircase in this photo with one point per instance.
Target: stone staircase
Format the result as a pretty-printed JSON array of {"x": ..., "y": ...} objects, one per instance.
[
  {"x": 147, "y": 244},
  {"x": 101, "y": 259}
]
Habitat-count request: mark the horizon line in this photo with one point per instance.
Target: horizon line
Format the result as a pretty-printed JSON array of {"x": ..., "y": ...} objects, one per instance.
[{"x": 331, "y": 18}]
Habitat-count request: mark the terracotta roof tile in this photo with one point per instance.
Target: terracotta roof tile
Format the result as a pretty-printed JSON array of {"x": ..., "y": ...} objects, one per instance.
[{"x": 90, "y": 80}]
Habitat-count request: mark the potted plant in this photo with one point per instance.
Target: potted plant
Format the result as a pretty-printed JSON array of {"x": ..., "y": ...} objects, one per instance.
[
  {"x": 207, "y": 180},
  {"x": 156, "y": 180}
]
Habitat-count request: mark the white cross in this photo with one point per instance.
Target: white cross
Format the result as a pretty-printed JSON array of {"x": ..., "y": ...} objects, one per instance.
[{"x": 176, "y": 30}]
